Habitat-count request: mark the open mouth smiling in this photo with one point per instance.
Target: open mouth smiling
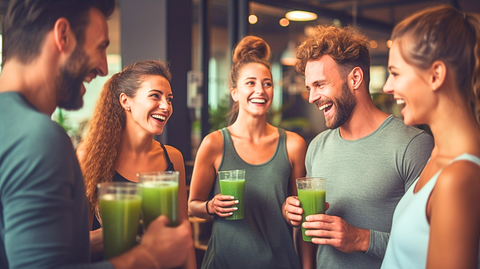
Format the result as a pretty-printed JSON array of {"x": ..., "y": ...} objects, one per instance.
[
  {"x": 159, "y": 117},
  {"x": 325, "y": 107},
  {"x": 258, "y": 101}
]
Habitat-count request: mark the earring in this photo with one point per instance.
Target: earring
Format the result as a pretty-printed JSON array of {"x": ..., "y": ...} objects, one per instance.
[{"x": 128, "y": 108}]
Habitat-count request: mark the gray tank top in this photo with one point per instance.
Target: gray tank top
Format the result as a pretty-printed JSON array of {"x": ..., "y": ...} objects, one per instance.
[{"x": 263, "y": 239}]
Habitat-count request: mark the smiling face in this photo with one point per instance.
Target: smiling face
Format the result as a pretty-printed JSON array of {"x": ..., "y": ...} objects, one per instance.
[
  {"x": 151, "y": 107},
  {"x": 329, "y": 91},
  {"x": 85, "y": 63},
  {"x": 409, "y": 87},
  {"x": 254, "y": 91}
]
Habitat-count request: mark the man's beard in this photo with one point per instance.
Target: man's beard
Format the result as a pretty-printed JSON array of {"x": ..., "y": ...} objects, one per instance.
[
  {"x": 70, "y": 80},
  {"x": 344, "y": 107}
]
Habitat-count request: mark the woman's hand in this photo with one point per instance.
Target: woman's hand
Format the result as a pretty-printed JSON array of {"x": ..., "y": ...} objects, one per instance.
[
  {"x": 222, "y": 205},
  {"x": 293, "y": 211}
]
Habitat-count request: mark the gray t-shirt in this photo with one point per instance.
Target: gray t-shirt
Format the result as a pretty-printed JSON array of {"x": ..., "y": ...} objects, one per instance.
[
  {"x": 365, "y": 180},
  {"x": 43, "y": 208}
]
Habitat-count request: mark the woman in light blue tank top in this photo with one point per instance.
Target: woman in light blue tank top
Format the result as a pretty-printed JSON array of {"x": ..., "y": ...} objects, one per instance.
[
  {"x": 272, "y": 159},
  {"x": 434, "y": 68}
]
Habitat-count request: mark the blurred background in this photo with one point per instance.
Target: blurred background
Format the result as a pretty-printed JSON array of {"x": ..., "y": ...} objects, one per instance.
[{"x": 197, "y": 37}]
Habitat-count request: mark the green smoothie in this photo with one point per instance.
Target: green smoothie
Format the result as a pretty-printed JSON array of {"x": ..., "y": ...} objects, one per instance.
[
  {"x": 312, "y": 202},
  {"x": 160, "y": 198},
  {"x": 235, "y": 188},
  {"x": 120, "y": 220}
]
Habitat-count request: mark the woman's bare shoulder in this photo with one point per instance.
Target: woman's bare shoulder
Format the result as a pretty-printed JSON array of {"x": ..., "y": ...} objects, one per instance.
[
  {"x": 459, "y": 178},
  {"x": 213, "y": 141},
  {"x": 295, "y": 141},
  {"x": 80, "y": 154},
  {"x": 173, "y": 151}
]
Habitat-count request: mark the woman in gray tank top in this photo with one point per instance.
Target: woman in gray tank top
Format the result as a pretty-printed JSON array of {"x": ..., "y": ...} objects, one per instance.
[{"x": 272, "y": 159}]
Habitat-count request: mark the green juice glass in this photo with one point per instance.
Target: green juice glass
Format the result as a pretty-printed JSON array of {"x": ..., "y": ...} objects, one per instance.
[
  {"x": 311, "y": 193},
  {"x": 232, "y": 183},
  {"x": 120, "y": 207},
  {"x": 159, "y": 196}
]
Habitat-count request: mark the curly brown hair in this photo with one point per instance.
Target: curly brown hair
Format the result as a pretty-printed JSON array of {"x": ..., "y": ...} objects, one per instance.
[
  {"x": 251, "y": 49},
  {"x": 443, "y": 33},
  {"x": 100, "y": 145},
  {"x": 347, "y": 47}
]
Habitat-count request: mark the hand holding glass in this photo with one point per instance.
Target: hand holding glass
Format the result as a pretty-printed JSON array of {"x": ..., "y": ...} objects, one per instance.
[
  {"x": 120, "y": 206},
  {"x": 159, "y": 196},
  {"x": 233, "y": 183},
  {"x": 311, "y": 193}
]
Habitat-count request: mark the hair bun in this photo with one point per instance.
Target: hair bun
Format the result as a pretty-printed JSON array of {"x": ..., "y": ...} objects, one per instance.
[{"x": 251, "y": 47}]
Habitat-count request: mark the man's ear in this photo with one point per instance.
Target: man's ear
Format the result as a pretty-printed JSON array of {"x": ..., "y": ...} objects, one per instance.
[
  {"x": 64, "y": 38},
  {"x": 438, "y": 73},
  {"x": 355, "y": 78}
]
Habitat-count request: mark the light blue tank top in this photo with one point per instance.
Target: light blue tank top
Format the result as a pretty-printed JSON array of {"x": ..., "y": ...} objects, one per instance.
[{"x": 408, "y": 244}]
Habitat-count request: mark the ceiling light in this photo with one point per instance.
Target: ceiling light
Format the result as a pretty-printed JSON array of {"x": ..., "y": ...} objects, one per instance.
[
  {"x": 284, "y": 22},
  {"x": 389, "y": 43},
  {"x": 297, "y": 15},
  {"x": 252, "y": 19},
  {"x": 288, "y": 55}
]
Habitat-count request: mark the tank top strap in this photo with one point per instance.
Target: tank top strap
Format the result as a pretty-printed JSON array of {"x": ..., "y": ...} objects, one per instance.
[
  {"x": 282, "y": 140},
  {"x": 167, "y": 159},
  {"x": 468, "y": 157},
  {"x": 230, "y": 155}
]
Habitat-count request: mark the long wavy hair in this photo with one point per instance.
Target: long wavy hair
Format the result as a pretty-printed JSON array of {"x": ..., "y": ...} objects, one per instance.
[
  {"x": 446, "y": 34},
  {"x": 105, "y": 129},
  {"x": 251, "y": 49}
]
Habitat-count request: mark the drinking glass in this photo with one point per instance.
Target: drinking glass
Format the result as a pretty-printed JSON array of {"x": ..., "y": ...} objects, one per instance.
[
  {"x": 311, "y": 193},
  {"x": 232, "y": 183},
  {"x": 159, "y": 196},
  {"x": 120, "y": 206}
]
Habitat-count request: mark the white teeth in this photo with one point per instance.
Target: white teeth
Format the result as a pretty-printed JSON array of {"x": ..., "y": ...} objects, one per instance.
[
  {"x": 258, "y": 101},
  {"x": 158, "y": 117},
  {"x": 321, "y": 108},
  {"x": 400, "y": 102}
]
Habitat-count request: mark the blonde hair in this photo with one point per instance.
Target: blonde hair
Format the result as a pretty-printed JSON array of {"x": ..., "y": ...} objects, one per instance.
[{"x": 445, "y": 34}]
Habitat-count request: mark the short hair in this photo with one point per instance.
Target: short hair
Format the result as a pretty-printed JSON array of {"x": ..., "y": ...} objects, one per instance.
[
  {"x": 347, "y": 46},
  {"x": 28, "y": 21}
]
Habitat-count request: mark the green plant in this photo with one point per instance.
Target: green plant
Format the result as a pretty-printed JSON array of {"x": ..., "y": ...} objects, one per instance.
[
  {"x": 219, "y": 116},
  {"x": 63, "y": 121}
]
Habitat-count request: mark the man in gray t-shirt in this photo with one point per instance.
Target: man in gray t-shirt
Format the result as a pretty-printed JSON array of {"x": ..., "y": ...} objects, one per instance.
[{"x": 369, "y": 157}]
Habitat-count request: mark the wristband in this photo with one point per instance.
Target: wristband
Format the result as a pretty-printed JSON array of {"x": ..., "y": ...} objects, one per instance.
[{"x": 206, "y": 206}]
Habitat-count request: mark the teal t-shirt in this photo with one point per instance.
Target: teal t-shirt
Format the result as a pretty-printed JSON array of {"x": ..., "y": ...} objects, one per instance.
[
  {"x": 43, "y": 208},
  {"x": 365, "y": 180}
]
